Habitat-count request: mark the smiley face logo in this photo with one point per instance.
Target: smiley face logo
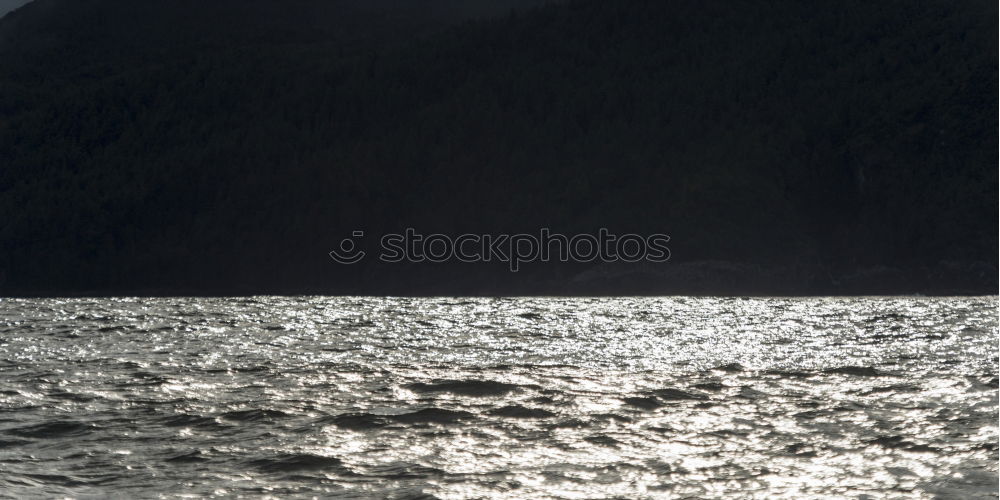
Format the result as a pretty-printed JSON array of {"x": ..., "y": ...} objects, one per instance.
[{"x": 348, "y": 253}]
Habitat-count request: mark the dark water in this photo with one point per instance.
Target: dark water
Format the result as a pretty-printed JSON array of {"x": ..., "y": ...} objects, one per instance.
[{"x": 499, "y": 398}]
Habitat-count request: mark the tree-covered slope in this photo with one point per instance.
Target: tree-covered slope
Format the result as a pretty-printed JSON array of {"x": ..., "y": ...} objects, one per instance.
[{"x": 227, "y": 146}]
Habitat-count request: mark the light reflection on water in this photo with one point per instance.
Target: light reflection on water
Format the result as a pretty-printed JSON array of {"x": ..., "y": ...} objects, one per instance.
[{"x": 494, "y": 398}]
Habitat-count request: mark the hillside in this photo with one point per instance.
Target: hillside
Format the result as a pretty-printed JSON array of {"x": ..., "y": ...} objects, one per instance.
[
  {"x": 9, "y": 5},
  {"x": 226, "y": 147}
]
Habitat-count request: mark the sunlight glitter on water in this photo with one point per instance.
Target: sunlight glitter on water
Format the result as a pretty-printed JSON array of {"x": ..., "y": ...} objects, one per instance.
[{"x": 500, "y": 398}]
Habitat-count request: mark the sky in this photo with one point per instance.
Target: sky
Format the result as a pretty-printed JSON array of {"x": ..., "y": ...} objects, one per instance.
[{"x": 9, "y": 5}]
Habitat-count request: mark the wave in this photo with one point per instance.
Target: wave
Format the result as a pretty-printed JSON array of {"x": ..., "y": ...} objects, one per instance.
[
  {"x": 255, "y": 415},
  {"x": 57, "y": 429},
  {"x": 300, "y": 462},
  {"x": 474, "y": 388},
  {"x": 678, "y": 395},
  {"x": 432, "y": 416},
  {"x": 188, "y": 420},
  {"x": 518, "y": 411}
]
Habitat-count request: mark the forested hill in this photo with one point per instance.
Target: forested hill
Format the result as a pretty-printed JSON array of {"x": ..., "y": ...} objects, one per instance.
[
  {"x": 226, "y": 146},
  {"x": 9, "y": 5}
]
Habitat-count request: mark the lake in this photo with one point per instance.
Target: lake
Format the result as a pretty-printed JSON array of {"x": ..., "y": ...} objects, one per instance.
[{"x": 410, "y": 398}]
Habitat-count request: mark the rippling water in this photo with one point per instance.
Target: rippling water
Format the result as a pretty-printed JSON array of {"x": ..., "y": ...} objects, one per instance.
[{"x": 499, "y": 398}]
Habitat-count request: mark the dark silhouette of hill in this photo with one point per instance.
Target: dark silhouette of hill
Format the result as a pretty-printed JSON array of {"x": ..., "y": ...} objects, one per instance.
[
  {"x": 227, "y": 146},
  {"x": 9, "y": 5}
]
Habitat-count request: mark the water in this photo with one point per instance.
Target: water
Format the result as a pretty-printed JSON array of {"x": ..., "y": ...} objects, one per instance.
[{"x": 499, "y": 398}]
